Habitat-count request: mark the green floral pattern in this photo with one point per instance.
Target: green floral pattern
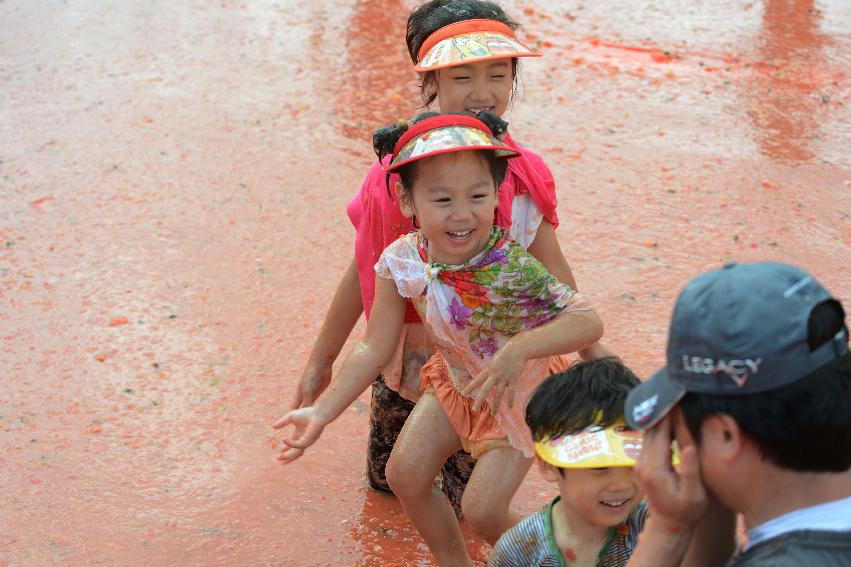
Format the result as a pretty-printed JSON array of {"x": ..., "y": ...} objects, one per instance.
[
  {"x": 472, "y": 309},
  {"x": 498, "y": 293}
]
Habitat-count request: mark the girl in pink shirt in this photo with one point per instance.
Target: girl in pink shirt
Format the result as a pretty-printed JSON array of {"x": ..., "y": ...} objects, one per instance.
[{"x": 467, "y": 55}]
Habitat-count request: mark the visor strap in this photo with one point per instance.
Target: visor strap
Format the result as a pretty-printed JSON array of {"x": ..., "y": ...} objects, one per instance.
[{"x": 831, "y": 350}]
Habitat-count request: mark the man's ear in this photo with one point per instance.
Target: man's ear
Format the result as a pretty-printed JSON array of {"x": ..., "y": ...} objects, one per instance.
[
  {"x": 404, "y": 202},
  {"x": 722, "y": 438},
  {"x": 549, "y": 472}
]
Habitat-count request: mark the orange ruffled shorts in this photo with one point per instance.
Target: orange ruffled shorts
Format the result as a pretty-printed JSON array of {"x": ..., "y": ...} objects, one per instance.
[{"x": 478, "y": 430}]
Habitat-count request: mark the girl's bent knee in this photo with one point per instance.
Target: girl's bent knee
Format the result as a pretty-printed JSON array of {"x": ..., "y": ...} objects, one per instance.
[
  {"x": 403, "y": 481},
  {"x": 486, "y": 519}
]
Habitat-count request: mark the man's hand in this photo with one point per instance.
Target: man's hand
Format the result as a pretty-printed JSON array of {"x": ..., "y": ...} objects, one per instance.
[{"x": 677, "y": 496}]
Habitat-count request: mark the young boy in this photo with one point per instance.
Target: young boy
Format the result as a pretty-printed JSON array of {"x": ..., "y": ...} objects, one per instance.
[{"x": 584, "y": 446}]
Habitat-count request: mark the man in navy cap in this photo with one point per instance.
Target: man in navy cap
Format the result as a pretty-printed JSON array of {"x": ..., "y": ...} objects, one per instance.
[{"x": 757, "y": 393}]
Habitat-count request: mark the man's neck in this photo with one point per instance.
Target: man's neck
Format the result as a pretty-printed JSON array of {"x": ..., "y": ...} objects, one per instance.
[{"x": 779, "y": 491}]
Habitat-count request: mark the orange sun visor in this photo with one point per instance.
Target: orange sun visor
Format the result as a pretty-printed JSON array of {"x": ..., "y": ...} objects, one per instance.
[{"x": 469, "y": 41}]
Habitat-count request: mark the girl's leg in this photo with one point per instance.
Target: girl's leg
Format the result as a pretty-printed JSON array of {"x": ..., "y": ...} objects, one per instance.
[
  {"x": 456, "y": 474},
  {"x": 387, "y": 414},
  {"x": 425, "y": 442},
  {"x": 495, "y": 479}
]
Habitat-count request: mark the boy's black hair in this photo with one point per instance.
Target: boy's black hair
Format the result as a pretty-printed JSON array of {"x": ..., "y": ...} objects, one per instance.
[
  {"x": 427, "y": 18},
  {"x": 384, "y": 141},
  {"x": 804, "y": 426},
  {"x": 588, "y": 393}
]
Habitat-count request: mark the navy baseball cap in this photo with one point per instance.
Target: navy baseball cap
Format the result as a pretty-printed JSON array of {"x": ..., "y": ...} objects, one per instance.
[{"x": 736, "y": 331}]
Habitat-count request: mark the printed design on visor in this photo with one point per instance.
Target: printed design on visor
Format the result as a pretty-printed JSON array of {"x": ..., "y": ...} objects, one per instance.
[
  {"x": 593, "y": 447},
  {"x": 470, "y": 40},
  {"x": 446, "y": 133},
  {"x": 442, "y": 139}
]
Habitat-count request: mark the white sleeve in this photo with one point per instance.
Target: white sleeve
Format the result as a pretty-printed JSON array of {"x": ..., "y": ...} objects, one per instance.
[
  {"x": 401, "y": 263},
  {"x": 525, "y": 219}
]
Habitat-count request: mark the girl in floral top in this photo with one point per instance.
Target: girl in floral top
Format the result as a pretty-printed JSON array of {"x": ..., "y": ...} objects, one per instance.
[{"x": 494, "y": 316}]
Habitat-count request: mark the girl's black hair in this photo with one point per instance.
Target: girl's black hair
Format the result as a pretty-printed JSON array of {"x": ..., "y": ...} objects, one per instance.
[
  {"x": 384, "y": 142},
  {"x": 433, "y": 15},
  {"x": 385, "y": 139}
]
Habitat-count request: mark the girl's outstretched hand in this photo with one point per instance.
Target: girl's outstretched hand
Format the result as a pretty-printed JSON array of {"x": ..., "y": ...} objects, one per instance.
[
  {"x": 308, "y": 425},
  {"x": 499, "y": 378}
]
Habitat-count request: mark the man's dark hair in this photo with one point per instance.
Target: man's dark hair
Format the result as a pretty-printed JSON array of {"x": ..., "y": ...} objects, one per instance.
[
  {"x": 804, "y": 426},
  {"x": 588, "y": 393}
]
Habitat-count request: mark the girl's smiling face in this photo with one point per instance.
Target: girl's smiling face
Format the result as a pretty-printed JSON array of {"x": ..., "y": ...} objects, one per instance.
[
  {"x": 454, "y": 198},
  {"x": 476, "y": 86}
]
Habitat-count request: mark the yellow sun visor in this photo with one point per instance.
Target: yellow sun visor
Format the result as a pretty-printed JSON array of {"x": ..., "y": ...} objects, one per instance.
[{"x": 595, "y": 447}]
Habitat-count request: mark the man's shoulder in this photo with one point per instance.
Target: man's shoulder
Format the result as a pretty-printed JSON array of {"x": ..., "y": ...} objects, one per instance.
[{"x": 803, "y": 547}]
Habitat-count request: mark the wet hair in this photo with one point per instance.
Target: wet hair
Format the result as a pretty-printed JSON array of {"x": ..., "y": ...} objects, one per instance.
[
  {"x": 804, "y": 426},
  {"x": 590, "y": 392},
  {"x": 431, "y": 16},
  {"x": 384, "y": 142}
]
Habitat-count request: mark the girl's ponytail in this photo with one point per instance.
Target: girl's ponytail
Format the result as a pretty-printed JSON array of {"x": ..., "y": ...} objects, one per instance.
[
  {"x": 384, "y": 140},
  {"x": 384, "y": 143},
  {"x": 497, "y": 125}
]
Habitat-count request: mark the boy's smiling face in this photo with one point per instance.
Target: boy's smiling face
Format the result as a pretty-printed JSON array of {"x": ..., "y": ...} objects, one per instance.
[{"x": 598, "y": 497}]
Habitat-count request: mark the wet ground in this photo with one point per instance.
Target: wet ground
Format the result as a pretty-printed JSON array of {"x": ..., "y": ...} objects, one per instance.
[{"x": 173, "y": 182}]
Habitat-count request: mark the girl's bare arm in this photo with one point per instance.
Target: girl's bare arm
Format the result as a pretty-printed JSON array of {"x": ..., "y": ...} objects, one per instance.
[
  {"x": 568, "y": 332},
  {"x": 363, "y": 364},
  {"x": 548, "y": 252},
  {"x": 370, "y": 355},
  {"x": 546, "y": 249},
  {"x": 342, "y": 315}
]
